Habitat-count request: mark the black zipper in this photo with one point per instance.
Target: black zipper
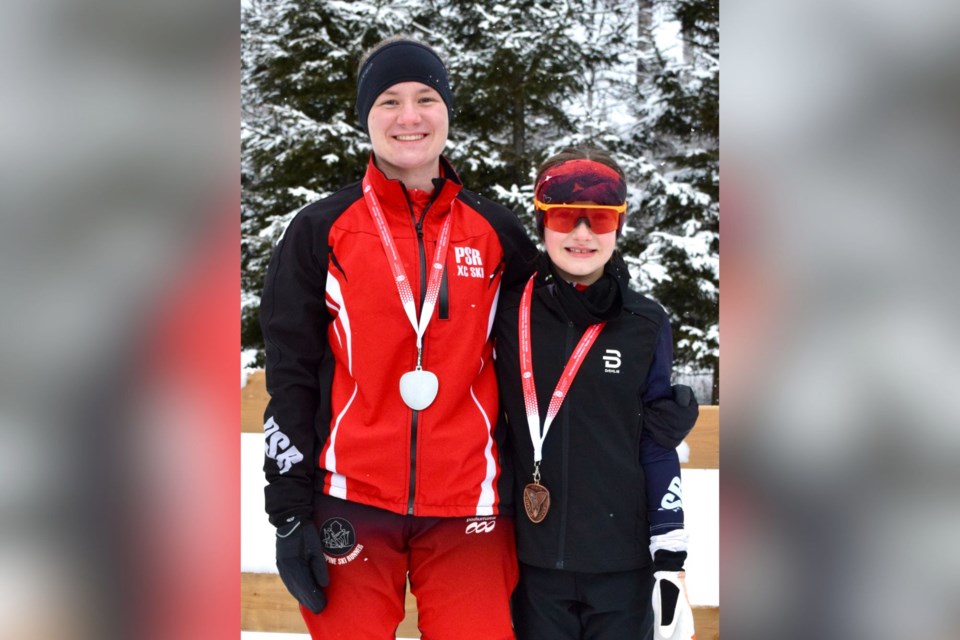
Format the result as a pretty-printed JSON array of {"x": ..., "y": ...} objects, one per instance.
[
  {"x": 413, "y": 461},
  {"x": 423, "y": 262},
  {"x": 414, "y": 423}
]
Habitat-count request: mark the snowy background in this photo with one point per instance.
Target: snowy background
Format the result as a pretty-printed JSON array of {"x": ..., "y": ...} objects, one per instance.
[
  {"x": 640, "y": 80},
  {"x": 840, "y": 448}
]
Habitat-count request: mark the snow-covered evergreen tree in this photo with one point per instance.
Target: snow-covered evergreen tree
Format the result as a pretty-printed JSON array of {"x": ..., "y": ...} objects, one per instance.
[
  {"x": 519, "y": 64},
  {"x": 673, "y": 240},
  {"x": 529, "y": 77},
  {"x": 300, "y": 136}
]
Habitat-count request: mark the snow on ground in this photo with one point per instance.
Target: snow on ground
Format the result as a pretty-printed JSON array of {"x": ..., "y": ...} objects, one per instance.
[
  {"x": 247, "y": 357},
  {"x": 701, "y": 497},
  {"x": 257, "y": 540},
  {"x": 701, "y": 508}
]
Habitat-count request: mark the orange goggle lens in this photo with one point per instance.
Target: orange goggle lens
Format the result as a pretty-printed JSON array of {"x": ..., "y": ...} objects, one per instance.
[{"x": 563, "y": 218}]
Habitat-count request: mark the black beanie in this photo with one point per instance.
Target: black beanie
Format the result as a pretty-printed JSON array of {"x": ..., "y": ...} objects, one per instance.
[{"x": 400, "y": 61}]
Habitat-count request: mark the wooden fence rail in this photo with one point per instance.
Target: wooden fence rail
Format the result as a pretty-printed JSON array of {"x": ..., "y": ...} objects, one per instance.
[{"x": 266, "y": 605}]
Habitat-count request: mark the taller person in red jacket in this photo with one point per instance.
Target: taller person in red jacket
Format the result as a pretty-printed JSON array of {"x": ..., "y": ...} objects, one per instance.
[{"x": 381, "y": 444}]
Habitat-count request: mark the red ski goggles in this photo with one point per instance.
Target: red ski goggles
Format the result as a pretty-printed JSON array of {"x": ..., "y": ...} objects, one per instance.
[{"x": 563, "y": 218}]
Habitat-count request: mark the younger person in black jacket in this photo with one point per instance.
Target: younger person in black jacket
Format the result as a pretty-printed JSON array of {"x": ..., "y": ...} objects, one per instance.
[{"x": 584, "y": 369}]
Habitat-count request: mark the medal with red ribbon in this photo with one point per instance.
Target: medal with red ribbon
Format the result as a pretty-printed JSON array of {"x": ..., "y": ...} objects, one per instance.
[
  {"x": 536, "y": 497},
  {"x": 418, "y": 388}
]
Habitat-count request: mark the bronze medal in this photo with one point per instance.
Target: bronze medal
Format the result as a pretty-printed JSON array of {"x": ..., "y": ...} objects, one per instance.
[{"x": 536, "y": 501}]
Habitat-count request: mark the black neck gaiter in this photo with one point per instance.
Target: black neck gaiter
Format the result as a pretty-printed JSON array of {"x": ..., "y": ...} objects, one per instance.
[{"x": 599, "y": 302}]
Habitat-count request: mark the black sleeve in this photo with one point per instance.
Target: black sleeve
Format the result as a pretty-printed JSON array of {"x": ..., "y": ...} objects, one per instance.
[
  {"x": 667, "y": 420},
  {"x": 519, "y": 251},
  {"x": 520, "y": 255},
  {"x": 294, "y": 318}
]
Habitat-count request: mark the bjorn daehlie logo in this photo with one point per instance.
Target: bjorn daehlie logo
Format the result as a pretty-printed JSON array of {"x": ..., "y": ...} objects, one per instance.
[
  {"x": 611, "y": 361},
  {"x": 339, "y": 541},
  {"x": 469, "y": 262}
]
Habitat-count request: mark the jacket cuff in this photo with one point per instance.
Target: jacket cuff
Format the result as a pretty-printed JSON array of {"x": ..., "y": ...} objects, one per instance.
[
  {"x": 300, "y": 513},
  {"x": 664, "y": 560}
]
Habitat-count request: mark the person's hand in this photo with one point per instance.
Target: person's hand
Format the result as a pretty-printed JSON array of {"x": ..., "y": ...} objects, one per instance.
[
  {"x": 302, "y": 566},
  {"x": 669, "y": 419},
  {"x": 672, "y": 616},
  {"x": 683, "y": 395}
]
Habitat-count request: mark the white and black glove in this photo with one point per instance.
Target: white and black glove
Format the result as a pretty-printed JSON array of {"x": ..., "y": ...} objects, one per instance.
[
  {"x": 302, "y": 566},
  {"x": 672, "y": 616}
]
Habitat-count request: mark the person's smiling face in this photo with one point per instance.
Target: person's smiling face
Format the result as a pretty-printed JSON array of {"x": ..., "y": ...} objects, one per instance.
[
  {"x": 408, "y": 126},
  {"x": 581, "y": 254}
]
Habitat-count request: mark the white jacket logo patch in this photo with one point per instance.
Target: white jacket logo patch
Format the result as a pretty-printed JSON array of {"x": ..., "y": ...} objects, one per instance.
[
  {"x": 278, "y": 447},
  {"x": 612, "y": 361},
  {"x": 673, "y": 498},
  {"x": 469, "y": 262}
]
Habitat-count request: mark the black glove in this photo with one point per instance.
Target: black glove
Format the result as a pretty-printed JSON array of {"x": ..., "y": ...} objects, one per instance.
[
  {"x": 302, "y": 566},
  {"x": 682, "y": 395},
  {"x": 670, "y": 419}
]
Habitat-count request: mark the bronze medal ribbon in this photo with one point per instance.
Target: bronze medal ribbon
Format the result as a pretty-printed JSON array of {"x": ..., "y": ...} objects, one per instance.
[{"x": 536, "y": 497}]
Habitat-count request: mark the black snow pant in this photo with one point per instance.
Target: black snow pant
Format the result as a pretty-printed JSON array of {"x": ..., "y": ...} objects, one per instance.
[{"x": 551, "y": 604}]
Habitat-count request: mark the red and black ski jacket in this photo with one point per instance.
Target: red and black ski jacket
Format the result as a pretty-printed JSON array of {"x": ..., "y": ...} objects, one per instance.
[{"x": 338, "y": 341}]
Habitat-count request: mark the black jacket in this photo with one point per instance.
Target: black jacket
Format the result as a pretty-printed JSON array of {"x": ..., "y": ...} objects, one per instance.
[{"x": 597, "y": 521}]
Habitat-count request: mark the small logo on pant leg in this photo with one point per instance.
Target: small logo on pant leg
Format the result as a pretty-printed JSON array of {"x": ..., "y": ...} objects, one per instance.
[
  {"x": 340, "y": 544},
  {"x": 481, "y": 525}
]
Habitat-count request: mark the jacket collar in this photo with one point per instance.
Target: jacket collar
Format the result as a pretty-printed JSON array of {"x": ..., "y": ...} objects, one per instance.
[
  {"x": 600, "y": 302},
  {"x": 393, "y": 194}
]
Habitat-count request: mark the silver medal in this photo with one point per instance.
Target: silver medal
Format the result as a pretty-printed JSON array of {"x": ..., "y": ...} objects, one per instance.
[{"x": 418, "y": 388}]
